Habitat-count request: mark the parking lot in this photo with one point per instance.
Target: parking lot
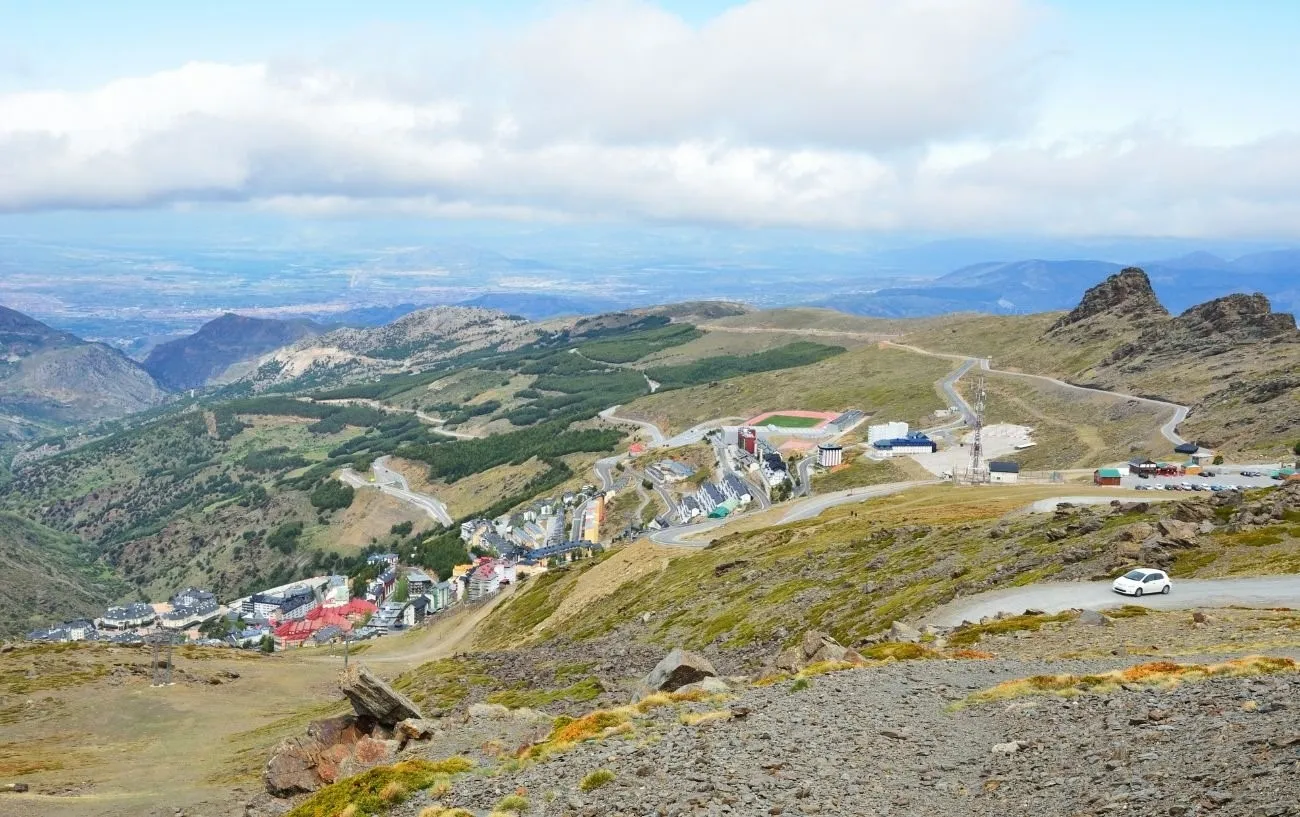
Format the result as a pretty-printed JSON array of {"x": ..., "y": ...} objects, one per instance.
[{"x": 1224, "y": 478}]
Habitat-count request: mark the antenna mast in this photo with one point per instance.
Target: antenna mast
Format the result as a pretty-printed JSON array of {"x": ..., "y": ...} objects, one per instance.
[{"x": 977, "y": 446}]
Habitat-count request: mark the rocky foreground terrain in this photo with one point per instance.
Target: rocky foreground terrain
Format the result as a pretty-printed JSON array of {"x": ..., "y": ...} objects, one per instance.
[
  {"x": 888, "y": 740},
  {"x": 944, "y": 731}
]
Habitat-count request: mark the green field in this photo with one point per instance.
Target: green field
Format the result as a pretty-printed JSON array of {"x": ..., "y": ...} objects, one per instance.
[{"x": 787, "y": 421}]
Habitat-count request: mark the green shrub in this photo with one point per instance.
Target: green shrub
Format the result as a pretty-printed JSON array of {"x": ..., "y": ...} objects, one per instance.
[{"x": 596, "y": 779}]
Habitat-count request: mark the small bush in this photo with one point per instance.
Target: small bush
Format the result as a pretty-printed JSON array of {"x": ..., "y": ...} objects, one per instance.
[
  {"x": 898, "y": 652},
  {"x": 513, "y": 804},
  {"x": 800, "y": 685},
  {"x": 596, "y": 779}
]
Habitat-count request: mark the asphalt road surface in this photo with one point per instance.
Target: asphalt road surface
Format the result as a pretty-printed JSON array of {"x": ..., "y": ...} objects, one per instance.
[
  {"x": 395, "y": 485},
  {"x": 1169, "y": 430},
  {"x": 696, "y": 536},
  {"x": 1266, "y": 591}
]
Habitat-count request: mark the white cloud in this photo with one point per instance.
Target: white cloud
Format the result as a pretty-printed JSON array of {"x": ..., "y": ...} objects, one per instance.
[{"x": 864, "y": 114}]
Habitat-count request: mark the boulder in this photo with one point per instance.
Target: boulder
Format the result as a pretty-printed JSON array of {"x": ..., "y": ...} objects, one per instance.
[
  {"x": 1092, "y": 618},
  {"x": 291, "y": 768},
  {"x": 708, "y": 686},
  {"x": 1178, "y": 532},
  {"x": 677, "y": 669},
  {"x": 898, "y": 631},
  {"x": 813, "y": 648},
  {"x": 372, "y": 696},
  {"x": 332, "y": 749},
  {"x": 416, "y": 729}
]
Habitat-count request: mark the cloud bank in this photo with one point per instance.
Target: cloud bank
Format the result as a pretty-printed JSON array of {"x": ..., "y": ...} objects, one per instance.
[{"x": 855, "y": 114}]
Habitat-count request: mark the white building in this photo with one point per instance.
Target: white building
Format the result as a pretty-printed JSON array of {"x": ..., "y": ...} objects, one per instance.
[
  {"x": 1004, "y": 472},
  {"x": 886, "y": 431},
  {"x": 830, "y": 455}
]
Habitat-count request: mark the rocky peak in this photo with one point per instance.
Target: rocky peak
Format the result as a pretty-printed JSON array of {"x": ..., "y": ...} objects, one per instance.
[
  {"x": 1126, "y": 294},
  {"x": 1239, "y": 317}
]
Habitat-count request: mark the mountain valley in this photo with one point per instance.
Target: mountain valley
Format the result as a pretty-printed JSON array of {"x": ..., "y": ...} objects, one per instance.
[{"x": 302, "y": 456}]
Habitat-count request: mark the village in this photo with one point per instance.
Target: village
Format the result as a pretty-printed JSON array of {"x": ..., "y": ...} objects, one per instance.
[{"x": 768, "y": 460}]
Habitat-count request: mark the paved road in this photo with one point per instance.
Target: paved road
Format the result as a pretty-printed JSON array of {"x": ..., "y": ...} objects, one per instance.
[
  {"x": 1268, "y": 591},
  {"x": 393, "y": 484},
  {"x": 696, "y": 536},
  {"x": 813, "y": 506},
  {"x": 605, "y": 471},
  {"x": 657, "y": 439},
  {"x": 1169, "y": 430},
  {"x": 949, "y": 387}
]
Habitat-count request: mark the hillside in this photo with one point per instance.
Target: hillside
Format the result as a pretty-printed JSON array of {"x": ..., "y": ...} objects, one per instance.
[
  {"x": 198, "y": 359},
  {"x": 51, "y": 379},
  {"x": 854, "y": 570},
  {"x": 1233, "y": 360},
  {"x": 48, "y": 576},
  {"x": 416, "y": 340}
]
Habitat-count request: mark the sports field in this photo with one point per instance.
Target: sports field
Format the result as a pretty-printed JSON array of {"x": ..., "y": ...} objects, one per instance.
[
  {"x": 796, "y": 418},
  {"x": 786, "y": 421}
]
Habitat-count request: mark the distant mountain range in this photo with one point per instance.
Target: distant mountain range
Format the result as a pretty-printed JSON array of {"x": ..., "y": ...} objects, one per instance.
[
  {"x": 49, "y": 379},
  {"x": 194, "y": 361},
  {"x": 1021, "y": 287},
  {"x": 540, "y": 306}
]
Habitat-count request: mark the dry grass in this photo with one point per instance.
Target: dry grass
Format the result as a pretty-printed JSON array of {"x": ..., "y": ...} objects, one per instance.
[
  {"x": 893, "y": 384},
  {"x": 1011, "y": 624},
  {"x": 376, "y": 790},
  {"x": 705, "y": 718},
  {"x": 1157, "y": 674}
]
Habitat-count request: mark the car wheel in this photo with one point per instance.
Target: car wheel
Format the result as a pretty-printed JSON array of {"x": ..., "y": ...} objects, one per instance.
[
  {"x": 1137, "y": 592},
  {"x": 1166, "y": 589}
]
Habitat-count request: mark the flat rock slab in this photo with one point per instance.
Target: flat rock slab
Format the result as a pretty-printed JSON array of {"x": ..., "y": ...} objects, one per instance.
[{"x": 372, "y": 696}]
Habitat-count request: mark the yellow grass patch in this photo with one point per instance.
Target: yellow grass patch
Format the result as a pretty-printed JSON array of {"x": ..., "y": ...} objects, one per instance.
[
  {"x": 1158, "y": 674},
  {"x": 701, "y": 718}
]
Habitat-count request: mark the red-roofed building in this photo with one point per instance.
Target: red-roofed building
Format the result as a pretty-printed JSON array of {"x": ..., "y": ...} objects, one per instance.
[
  {"x": 293, "y": 633},
  {"x": 636, "y": 449}
]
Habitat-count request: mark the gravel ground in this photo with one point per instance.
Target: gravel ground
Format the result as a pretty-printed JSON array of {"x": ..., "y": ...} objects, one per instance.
[{"x": 890, "y": 741}]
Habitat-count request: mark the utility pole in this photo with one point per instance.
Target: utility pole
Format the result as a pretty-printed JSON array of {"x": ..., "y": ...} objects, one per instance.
[
  {"x": 161, "y": 643},
  {"x": 977, "y": 446}
]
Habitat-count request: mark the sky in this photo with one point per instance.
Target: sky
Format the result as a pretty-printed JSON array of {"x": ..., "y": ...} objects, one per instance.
[{"x": 936, "y": 117}]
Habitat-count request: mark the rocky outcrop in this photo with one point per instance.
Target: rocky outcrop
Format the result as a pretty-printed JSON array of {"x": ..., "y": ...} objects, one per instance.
[
  {"x": 372, "y": 697},
  {"x": 337, "y": 748},
  {"x": 332, "y": 749},
  {"x": 815, "y": 647},
  {"x": 1241, "y": 318},
  {"x": 1126, "y": 294},
  {"x": 679, "y": 668}
]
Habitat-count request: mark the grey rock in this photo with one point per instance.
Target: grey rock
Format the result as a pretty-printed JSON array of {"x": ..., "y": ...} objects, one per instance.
[
  {"x": 371, "y": 695},
  {"x": 677, "y": 669}
]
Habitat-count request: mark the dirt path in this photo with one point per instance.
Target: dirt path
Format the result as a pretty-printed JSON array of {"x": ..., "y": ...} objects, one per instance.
[{"x": 440, "y": 640}]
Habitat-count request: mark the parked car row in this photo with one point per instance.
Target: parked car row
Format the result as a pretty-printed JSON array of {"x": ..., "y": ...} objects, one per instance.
[{"x": 1187, "y": 486}]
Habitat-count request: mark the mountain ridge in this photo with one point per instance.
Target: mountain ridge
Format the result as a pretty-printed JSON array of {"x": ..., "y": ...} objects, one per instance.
[
  {"x": 50, "y": 379},
  {"x": 196, "y": 360}
]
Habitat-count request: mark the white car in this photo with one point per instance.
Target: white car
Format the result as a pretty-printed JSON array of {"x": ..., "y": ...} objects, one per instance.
[{"x": 1143, "y": 581}]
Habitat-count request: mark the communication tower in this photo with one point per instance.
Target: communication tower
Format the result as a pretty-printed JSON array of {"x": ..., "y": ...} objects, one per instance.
[{"x": 977, "y": 446}]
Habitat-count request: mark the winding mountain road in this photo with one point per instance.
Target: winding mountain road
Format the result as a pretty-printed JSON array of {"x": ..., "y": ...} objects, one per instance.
[
  {"x": 1055, "y": 597},
  {"x": 393, "y": 484},
  {"x": 420, "y": 415},
  {"x": 1169, "y": 430}
]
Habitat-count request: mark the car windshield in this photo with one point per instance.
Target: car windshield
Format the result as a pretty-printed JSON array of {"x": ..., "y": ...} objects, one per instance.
[{"x": 1135, "y": 575}]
